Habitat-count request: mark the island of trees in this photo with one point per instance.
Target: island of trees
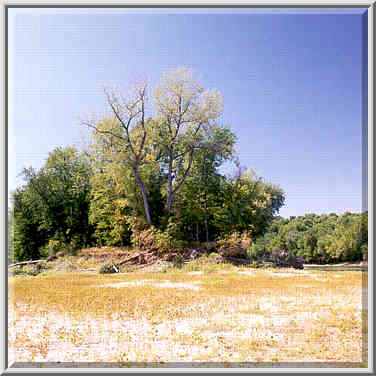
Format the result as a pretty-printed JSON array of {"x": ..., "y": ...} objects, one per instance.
[{"x": 151, "y": 178}]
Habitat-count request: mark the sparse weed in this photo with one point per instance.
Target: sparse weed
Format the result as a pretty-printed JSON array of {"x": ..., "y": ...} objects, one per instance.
[{"x": 108, "y": 268}]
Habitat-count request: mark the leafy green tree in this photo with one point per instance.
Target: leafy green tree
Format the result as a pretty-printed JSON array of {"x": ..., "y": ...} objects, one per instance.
[
  {"x": 310, "y": 246},
  {"x": 28, "y": 236},
  {"x": 53, "y": 204}
]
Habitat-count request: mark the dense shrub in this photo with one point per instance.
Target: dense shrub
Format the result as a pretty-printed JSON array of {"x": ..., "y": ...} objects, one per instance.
[
  {"x": 108, "y": 268},
  {"x": 178, "y": 261},
  {"x": 154, "y": 239},
  {"x": 53, "y": 247},
  {"x": 151, "y": 239},
  {"x": 30, "y": 269},
  {"x": 234, "y": 245}
]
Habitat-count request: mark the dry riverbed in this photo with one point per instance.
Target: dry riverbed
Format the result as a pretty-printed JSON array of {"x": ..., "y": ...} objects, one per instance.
[{"x": 233, "y": 315}]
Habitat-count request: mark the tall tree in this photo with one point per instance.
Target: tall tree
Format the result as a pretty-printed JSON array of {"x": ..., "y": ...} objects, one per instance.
[
  {"x": 131, "y": 132},
  {"x": 186, "y": 112},
  {"x": 28, "y": 237},
  {"x": 248, "y": 203},
  {"x": 197, "y": 200},
  {"x": 54, "y": 203},
  {"x": 63, "y": 187},
  {"x": 116, "y": 200}
]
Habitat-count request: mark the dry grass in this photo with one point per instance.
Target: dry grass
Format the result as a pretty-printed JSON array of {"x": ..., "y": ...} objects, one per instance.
[{"x": 224, "y": 314}]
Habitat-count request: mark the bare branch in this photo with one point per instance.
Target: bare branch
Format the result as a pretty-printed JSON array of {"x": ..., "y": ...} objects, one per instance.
[
  {"x": 90, "y": 125},
  {"x": 186, "y": 172}
]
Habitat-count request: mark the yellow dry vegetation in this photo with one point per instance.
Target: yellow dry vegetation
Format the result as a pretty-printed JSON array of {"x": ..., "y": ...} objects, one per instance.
[{"x": 218, "y": 314}]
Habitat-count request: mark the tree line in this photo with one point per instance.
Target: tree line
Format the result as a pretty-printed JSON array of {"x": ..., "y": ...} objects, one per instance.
[
  {"x": 152, "y": 169},
  {"x": 326, "y": 238}
]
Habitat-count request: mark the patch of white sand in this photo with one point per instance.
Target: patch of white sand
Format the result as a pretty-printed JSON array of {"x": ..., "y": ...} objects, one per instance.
[
  {"x": 177, "y": 285},
  {"x": 319, "y": 277},
  {"x": 184, "y": 327},
  {"x": 163, "y": 283},
  {"x": 125, "y": 284},
  {"x": 284, "y": 274}
]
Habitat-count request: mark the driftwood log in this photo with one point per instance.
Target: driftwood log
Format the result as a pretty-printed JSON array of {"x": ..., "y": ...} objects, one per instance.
[
  {"x": 137, "y": 257},
  {"x": 237, "y": 260},
  {"x": 25, "y": 263}
]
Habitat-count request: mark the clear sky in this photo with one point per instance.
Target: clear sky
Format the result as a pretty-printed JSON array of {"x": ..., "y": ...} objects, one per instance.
[{"x": 291, "y": 82}]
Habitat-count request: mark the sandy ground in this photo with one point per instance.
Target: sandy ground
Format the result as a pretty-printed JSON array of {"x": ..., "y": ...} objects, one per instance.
[
  {"x": 282, "y": 328},
  {"x": 161, "y": 284}
]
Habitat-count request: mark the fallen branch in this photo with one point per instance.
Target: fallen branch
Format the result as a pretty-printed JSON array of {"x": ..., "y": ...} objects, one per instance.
[
  {"x": 135, "y": 257},
  {"x": 237, "y": 260},
  {"x": 128, "y": 259},
  {"x": 25, "y": 263}
]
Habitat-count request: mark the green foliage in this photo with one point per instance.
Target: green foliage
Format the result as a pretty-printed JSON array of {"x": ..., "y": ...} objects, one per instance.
[
  {"x": 109, "y": 211},
  {"x": 116, "y": 201},
  {"x": 257, "y": 265},
  {"x": 74, "y": 198},
  {"x": 28, "y": 236},
  {"x": 10, "y": 238},
  {"x": 247, "y": 204},
  {"x": 30, "y": 269},
  {"x": 261, "y": 247},
  {"x": 53, "y": 204},
  {"x": 53, "y": 247},
  {"x": 165, "y": 171},
  {"x": 198, "y": 200},
  {"x": 178, "y": 261}
]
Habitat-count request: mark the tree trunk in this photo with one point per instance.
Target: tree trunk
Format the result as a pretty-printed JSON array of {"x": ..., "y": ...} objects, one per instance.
[
  {"x": 171, "y": 190},
  {"x": 206, "y": 231},
  {"x": 144, "y": 198},
  {"x": 206, "y": 217},
  {"x": 169, "y": 193},
  {"x": 197, "y": 237},
  {"x": 169, "y": 202}
]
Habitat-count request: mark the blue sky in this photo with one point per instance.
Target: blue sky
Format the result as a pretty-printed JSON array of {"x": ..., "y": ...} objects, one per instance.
[{"x": 291, "y": 82}]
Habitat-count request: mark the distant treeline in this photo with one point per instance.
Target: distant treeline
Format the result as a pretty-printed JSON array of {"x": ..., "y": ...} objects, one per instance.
[{"x": 317, "y": 238}]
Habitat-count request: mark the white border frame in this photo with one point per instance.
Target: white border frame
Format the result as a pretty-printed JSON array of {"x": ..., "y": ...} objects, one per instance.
[{"x": 3, "y": 331}]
